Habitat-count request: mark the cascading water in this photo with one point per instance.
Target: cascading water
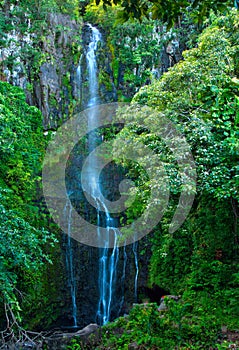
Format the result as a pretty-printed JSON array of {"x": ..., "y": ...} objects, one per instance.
[
  {"x": 107, "y": 270},
  {"x": 135, "y": 251},
  {"x": 108, "y": 258},
  {"x": 70, "y": 262},
  {"x": 92, "y": 66},
  {"x": 102, "y": 293}
]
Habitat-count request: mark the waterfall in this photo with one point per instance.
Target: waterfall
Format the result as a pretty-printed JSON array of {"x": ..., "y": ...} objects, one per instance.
[
  {"x": 135, "y": 251},
  {"x": 69, "y": 262},
  {"x": 107, "y": 273},
  {"x": 108, "y": 258},
  {"x": 92, "y": 66},
  {"x": 103, "y": 290}
]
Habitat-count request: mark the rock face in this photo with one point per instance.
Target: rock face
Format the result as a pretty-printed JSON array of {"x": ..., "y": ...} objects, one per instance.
[
  {"x": 53, "y": 90},
  {"x": 43, "y": 64}
]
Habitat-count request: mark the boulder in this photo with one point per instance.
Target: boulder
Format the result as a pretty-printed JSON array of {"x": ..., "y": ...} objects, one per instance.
[
  {"x": 61, "y": 340},
  {"x": 163, "y": 306},
  {"x": 88, "y": 330}
]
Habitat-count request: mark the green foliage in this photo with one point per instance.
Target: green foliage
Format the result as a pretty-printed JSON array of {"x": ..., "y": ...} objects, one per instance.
[
  {"x": 134, "y": 51},
  {"x": 169, "y": 11},
  {"x": 203, "y": 96},
  {"x": 135, "y": 47},
  {"x": 21, "y": 141},
  {"x": 74, "y": 345},
  {"x": 39, "y": 10},
  {"x": 23, "y": 239},
  {"x": 184, "y": 325},
  {"x": 200, "y": 96},
  {"x": 21, "y": 250}
]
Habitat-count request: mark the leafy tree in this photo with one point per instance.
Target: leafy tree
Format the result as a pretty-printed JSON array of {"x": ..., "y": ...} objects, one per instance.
[
  {"x": 200, "y": 96},
  {"x": 168, "y": 10}
]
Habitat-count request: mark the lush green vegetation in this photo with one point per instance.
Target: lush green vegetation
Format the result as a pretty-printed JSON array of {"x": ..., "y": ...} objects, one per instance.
[
  {"x": 169, "y": 11},
  {"x": 134, "y": 47},
  {"x": 200, "y": 96},
  {"x": 180, "y": 327},
  {"x": 25, "y": 243}
]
